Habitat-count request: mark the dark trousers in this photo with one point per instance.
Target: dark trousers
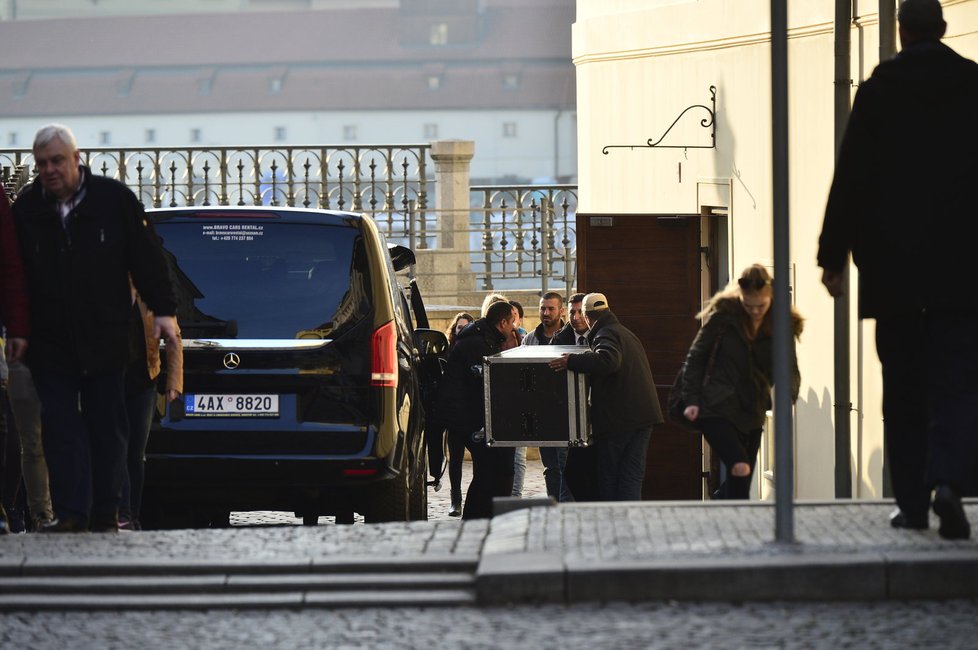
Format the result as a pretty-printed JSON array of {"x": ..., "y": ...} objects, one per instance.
[
  {"x": 733, "y": 446},
  {"x": 140, "y": 405},
  {"x": 456, "y": 453},
  {"x": 930, "y": 404},
  {"x": 85, "y": 433},
  {"x": 620, "y": 462},
  {"x": 492, "y": 476},
  {"x": 554, "y": 461}
]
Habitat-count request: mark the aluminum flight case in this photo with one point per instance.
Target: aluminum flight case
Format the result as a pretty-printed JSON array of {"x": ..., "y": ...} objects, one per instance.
[{"x": 530, "y": 405}]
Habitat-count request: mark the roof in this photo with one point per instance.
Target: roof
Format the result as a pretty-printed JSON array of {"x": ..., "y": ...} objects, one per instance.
[{"x": 503, "y": 57}]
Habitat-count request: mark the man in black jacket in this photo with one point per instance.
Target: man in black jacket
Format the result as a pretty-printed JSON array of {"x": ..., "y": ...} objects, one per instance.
[
  {"x": 624, "y": 404},
  {"x": 83, "y": 237},
  {"x": 462, "y": 403},
  {"x": 911, "y": 225}
]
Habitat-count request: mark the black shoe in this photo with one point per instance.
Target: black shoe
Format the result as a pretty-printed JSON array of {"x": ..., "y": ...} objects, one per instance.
[
  {"x": 4, "y": 526},
  {"x": 456, "y": 510},
  {"x": 947, "y": 506},
  {"x": 109, "y": 524},
  {"x": 900, "y": 519},
  {"x": 64, "y": 525}
]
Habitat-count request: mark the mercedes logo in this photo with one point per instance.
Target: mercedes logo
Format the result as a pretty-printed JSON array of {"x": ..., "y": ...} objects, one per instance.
[{"x": 231, "y": 361}]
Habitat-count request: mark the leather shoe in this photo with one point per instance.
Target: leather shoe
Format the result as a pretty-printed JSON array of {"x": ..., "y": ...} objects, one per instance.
[
  {"x": 456, "y": 510},
  {"x": 900, "y": 519},
  {"x": 109, "y": 524},
  {"x": 947, "y": 506},
  {"x": 64, "y": 525}
]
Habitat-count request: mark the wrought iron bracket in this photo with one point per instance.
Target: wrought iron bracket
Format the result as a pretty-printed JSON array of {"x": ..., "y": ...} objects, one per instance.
[{"x": 708, "y": 122}]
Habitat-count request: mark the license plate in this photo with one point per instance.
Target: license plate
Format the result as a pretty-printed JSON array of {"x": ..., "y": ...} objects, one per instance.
[{"x": 231, "y": 405}]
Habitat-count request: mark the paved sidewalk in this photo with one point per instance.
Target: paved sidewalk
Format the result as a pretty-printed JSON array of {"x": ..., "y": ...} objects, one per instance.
[
  {"x": 718, "y": 551},
  {"x": 567, "y": 553}
]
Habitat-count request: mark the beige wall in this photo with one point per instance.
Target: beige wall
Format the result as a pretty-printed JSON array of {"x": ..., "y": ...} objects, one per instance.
[{"x": 640, "y": 63}]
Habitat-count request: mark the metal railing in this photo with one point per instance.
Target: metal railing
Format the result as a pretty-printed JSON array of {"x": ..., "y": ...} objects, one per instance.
[
  {"x": 526, "y": 232},
  {"x": 518, "y": 236},
  {"x": 375, "y": 179}
]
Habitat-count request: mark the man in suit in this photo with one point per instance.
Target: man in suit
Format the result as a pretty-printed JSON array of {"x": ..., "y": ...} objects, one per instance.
[{"x": 910, "y": 223}]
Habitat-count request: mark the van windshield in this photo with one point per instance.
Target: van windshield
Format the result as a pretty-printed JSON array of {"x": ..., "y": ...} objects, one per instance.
[{"x": 265, "y": 280}]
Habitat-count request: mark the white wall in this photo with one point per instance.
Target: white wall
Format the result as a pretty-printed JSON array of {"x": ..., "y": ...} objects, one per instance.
[{"x": 640, "y": 63}]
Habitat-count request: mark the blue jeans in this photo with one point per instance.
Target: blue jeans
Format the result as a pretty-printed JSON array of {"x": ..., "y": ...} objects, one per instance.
[
  {"x": 519, "y": 471},
  {"x": 620, "y": 460},
  {"x": 554, "y": 461},
  {"x": 139, "y": 407},
  {"x": 84, "y": 435}
]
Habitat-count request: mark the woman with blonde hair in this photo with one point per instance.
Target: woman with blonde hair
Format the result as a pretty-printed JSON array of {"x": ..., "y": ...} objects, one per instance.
[{"x": 728, "y": 375}]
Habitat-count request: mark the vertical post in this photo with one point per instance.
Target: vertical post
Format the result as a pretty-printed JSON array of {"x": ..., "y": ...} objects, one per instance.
[
  {"x": 452, "y": 274},
  {"x": 842, "y": 402},
  {"x": 784, "y": 525},
  {"x": 545, "y": 242}
]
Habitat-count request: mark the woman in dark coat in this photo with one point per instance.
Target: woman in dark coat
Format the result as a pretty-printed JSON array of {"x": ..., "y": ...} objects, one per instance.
[
  {"x": 456, "y": 445},
  {"x": 728, "y": 377}
]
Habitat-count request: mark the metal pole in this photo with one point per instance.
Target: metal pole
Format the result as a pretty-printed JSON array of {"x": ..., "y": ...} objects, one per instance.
[
  {"x": 843, "y": 400},
  {"x": 784, "y": 524}
]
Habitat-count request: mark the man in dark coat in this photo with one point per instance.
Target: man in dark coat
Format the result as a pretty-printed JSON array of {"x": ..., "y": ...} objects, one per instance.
[
  {"x": 624, "y": 404},
  {"x": 83, "y": 237},
  {"x": 910, "y": 223},
  {"x": 462, "y": 404}
]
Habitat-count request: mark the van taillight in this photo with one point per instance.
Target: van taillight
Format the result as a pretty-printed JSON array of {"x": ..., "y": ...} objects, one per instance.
[{"x": 383, "y": 355}]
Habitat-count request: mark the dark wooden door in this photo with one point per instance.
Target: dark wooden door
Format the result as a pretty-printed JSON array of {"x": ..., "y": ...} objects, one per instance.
[{"x": 649, "y": 268}]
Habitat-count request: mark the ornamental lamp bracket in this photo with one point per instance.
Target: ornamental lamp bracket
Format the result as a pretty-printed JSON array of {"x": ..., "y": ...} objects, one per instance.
[{"x": 708, "y": 122}]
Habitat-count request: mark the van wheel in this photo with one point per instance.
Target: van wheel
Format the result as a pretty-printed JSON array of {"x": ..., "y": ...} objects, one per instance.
[
  {"x": 419, "y": 492},
  {"x": 310, "y": 520},
  {"x": 389, "y": 502}
]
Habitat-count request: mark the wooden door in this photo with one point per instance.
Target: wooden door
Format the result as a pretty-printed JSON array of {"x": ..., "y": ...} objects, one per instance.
[{"x": 649, "y": 268}]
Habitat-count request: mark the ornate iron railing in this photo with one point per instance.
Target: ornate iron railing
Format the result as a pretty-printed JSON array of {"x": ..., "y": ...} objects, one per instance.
[
  {"x": 518, "y": 236},
  {"x": 381, "y": 180},
  {"x": 527, "y": 236}
]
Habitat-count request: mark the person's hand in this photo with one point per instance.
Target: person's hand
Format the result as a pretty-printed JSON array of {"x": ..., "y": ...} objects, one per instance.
[
  {"x": 172, "y": 395},
  {"x": 16, "y": 348},
  {"x": 691, "y": 413},
  {"x": 559, "y": 364},
  {"x": 166, "y": 327},
  {"x": 833, "y": 282}
]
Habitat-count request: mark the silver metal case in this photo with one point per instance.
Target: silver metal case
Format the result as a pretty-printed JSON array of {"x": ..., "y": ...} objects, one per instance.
[{"x": 529, "y": 405}]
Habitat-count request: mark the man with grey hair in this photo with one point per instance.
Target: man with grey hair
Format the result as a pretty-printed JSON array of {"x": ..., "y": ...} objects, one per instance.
[
  {"x": 83, "y": 237},
  {"x": 624, "y": 403},
  {"x": 910, "y": 224}
]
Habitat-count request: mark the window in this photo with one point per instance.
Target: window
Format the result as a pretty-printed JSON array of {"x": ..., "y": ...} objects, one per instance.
[
  {"x": 434, "y": 82},
  {"x": 438, "y": 34},
  {"x": 12, "y": 139},
  {"x": 509, "y": 129},
  {"x": 280, "y": 134},
  {"x": 150, "y": 136},
  {"x": 511, "y": 81},
  {"x": 275, "y": 86},
  {"x": 105, "y": 137},
  {"x": 350, "y": 132},
  {"x": 430, "y": 131},
  {"x": 196, "y": 135}
]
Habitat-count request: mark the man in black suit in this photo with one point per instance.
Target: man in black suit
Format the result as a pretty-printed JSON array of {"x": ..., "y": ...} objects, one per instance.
[{"x": 902, "y": 203}]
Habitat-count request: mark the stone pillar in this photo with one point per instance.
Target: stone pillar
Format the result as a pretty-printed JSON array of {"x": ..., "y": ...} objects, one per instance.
[{"x": 445, "y": 272}]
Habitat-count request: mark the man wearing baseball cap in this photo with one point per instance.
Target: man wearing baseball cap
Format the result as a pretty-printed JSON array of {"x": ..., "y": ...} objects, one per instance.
[{"x": 624, "y": 404}]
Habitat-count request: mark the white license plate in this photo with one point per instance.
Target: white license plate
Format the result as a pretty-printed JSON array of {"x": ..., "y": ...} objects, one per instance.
[{"x": 231, "y": 405}]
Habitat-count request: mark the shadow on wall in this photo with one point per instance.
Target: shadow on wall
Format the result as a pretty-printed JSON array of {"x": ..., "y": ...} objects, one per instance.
[
  {"x": 816, "y": 444},
  {"x": 725, "y": 164}
]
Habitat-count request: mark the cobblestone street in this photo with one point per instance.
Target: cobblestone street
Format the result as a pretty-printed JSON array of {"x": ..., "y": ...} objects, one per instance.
[
  {"x": 947, "y": 625},
  {"x": 439, "y": 503}
]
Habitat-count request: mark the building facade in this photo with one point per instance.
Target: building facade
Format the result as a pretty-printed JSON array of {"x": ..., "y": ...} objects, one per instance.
[{"x": 640, "y": 64}]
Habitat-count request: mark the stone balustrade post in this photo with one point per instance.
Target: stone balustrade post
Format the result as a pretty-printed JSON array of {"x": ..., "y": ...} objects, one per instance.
[{"x": 446, "y": 272}]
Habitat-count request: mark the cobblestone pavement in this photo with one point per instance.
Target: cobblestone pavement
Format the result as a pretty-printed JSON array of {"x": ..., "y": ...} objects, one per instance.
[
  {"x": 948, "y": 625},
  {"x": 439, "y": 503}
]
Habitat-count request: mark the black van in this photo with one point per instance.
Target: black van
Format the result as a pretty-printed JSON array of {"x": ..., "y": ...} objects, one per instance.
[{"x": 302, "y": 371}]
